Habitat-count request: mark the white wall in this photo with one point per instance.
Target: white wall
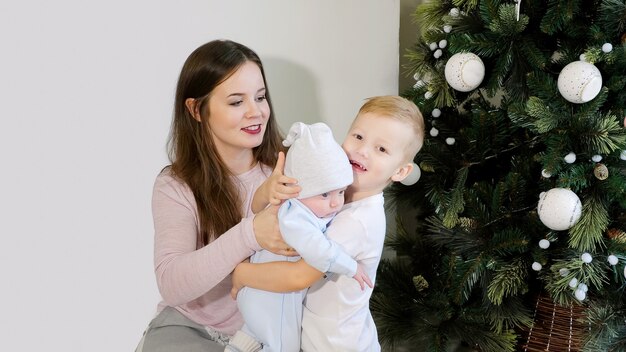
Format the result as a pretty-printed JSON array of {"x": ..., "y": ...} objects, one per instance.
[{"x": 86, "y": 93}]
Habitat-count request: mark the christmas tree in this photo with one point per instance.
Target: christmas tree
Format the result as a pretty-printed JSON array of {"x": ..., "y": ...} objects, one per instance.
[{"x": 522, "y": 195}]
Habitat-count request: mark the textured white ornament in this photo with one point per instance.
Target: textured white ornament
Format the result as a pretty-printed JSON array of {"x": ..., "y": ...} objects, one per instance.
[
  {"x": 544, "y": 244},
  {"x": 579, "y": 82},
  {"x": 454, "y": 12},
  {"x": 437, "y": 54},
  {"x": 447, "y": 28},
  {"x": 536, "y": 266},
  {"x": 622, "y": 155},
  {"x": 586, "y": 257},
  {"x": 413, "y": 177},
  {"x": 583, "y": 287},
  {"x": 573, "y": 282},
  {"x": 580, "y": 295},
  {"x": 434, "y": 132},
  {"x": 612, "y": 260},
  {"x": 443, "y": 43},
  {"x": 428, "y": 95},
  {"x": 563, "y": 272},
  {"x": 464, "y": 71},
  {"x": 450, "y": 140},
  {"x": 545, "y": 173},
  {"x": 436, "y": 112},
  {"x": 559, "y": 208},
  {"x": 607, "y": 47},
  {"x": 432, "y": 46},
  {"x": 597, "y": 158},
  {"x": 570, "y": 158}
]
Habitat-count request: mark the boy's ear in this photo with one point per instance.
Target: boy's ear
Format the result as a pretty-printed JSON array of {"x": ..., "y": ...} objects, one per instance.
[
  {"x": 192, "y": 106},
  {"x": 402, "y": 172}
]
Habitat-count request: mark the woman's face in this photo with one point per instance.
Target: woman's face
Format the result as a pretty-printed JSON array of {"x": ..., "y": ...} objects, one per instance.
[{"x": 239, "y": 111}]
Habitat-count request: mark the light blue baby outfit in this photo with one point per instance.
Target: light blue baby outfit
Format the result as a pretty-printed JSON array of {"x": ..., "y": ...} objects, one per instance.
[{"x": 275, "y": 319}]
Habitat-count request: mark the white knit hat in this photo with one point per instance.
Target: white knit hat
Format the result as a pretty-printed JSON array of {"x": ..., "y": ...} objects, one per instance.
[{"x": 316, "y": 160}]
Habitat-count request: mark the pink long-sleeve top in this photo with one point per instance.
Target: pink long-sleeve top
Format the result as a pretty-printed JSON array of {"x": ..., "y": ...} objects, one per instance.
[{"x": 198, "y": 282}]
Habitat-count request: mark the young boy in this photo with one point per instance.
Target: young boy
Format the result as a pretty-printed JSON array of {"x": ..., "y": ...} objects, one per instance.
[
  {"x": 323, "y": 172},
  {"x": 381, "y": 144}
]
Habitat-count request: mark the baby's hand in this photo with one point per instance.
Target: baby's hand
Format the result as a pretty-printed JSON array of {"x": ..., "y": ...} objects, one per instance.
[
  {"x": 279, "y": 187},
  {"x": 361, "y": 277}
]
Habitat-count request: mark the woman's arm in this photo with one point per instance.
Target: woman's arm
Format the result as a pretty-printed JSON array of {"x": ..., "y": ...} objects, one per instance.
[
  {"x": 183, "y": 272},
  {"x": 275, "y": 276}
]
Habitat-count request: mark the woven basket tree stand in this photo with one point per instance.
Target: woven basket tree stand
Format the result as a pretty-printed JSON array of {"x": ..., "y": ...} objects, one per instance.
[{"x": 555, "y": 328}]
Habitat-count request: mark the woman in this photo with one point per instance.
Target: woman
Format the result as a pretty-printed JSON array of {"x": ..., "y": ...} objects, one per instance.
[{"x": 223, "y": 143}]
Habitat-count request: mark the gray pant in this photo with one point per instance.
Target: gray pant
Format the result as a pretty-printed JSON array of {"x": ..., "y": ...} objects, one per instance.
[{"x": 171, "y": 331}]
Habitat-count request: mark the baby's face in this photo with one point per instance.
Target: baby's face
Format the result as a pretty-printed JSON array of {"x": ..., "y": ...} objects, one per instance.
[{"x": 325, "y": 204}]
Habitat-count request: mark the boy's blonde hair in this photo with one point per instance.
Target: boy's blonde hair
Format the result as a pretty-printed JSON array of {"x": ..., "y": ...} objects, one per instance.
[{"x": 403, "y": 110}]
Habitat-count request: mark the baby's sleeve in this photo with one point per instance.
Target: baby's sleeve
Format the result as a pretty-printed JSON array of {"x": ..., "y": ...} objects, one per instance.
[{"x": 302, "y": 232}]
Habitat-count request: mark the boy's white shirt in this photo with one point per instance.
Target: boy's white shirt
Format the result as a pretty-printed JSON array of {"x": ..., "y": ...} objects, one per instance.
[{"x": 336, "y": 313}]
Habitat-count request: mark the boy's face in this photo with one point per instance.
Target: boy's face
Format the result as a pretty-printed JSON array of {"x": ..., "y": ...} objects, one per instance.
[
  {"x": 377, "y": 149},
  {"x": 325, "y": 204}
]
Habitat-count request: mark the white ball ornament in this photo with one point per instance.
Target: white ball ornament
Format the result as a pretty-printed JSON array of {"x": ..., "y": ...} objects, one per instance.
[
  {"x": 432, "y": 46},
  {"x": 624, "y": 271},
  {"x": 582, "y": 57},
  {"x": 573, "y": 282},
  {"x": 536, "y": 266},
  {"x": 443, "y": 43},
  {"x": 579, "y": 82},
  {"x": 413, "y": 177},
  {"x": 570, "y": 158},
  {"x": 447, "y": 28},
  {"x": 612, "y": 259},
  {"x": 563, "y": 272},
  {"x": 437, "y": 54},
  {"x": 622, "y": 155},
  {"x": 607, "y": 47},
  {"x": 596, "y": 158},
  {"x": 450, "y": 140},
  {"x": 454, "y": 12},
  {"x": 436, "y": 112},
  {"x": 545, "y": 173},
  {"x": 464, "y": 71},
  {"x": 434, "y": 132},
  {"x": 580, "y": 295},
  {"x": 582, "y": 287},
  {"x": 544, "y": 244},
  {"x": 559, "y": 208},
  {"x": 586, "y": 258}
]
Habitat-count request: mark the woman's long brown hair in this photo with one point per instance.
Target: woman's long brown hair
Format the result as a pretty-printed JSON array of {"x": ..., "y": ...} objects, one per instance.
[{"x": 192, "y": 152}]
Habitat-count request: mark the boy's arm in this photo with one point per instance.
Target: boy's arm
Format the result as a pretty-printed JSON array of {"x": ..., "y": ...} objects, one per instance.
[
  {"x": 275, "y": 276},
  {"x": 275, "y": 189}
]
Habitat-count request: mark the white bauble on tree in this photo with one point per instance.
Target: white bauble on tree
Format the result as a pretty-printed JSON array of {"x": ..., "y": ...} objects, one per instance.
[
  {"x": 559, "y": 208},
  {"x": 464, "y": 71},
  {"x": 579, "y": 82},
  {"x": 413, "y": 177}
]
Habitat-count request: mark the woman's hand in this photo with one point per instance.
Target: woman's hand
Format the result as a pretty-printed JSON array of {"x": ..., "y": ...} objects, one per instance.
[
  {"x": 279, "y": 187},
  {"x": 267, "y": 232},
  {"x": 276, "y": 189}
]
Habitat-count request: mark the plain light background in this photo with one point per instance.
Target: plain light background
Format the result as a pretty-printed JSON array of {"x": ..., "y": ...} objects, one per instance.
[{"x": 86, "y": 92}]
